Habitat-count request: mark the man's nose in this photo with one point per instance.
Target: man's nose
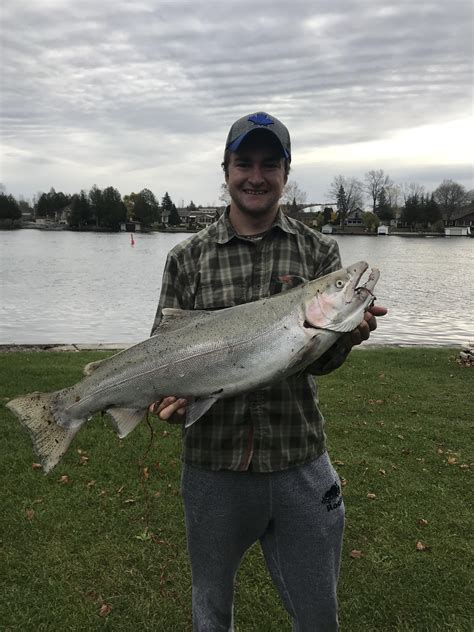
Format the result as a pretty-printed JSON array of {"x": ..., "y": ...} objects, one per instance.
[{"x": 256, "y": 175}]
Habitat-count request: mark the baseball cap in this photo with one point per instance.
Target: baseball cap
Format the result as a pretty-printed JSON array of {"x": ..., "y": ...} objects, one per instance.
[{"x": 259, "y": 120}]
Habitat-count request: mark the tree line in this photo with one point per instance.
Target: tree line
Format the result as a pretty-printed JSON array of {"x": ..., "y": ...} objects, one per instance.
[
  {"x": 409, "y": 202},
  {"x": 106, "y": 209},
  {"x": 99, "y": 208}
]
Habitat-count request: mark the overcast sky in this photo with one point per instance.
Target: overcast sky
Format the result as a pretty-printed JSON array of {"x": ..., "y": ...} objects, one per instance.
[{"x": 142, "y": 93}]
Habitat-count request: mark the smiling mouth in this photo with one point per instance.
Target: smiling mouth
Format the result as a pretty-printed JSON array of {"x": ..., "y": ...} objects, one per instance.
[{"x": 253, "y": 192}]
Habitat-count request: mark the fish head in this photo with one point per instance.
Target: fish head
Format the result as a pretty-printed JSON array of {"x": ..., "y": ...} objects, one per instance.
[{"x": 337, "y": 301}]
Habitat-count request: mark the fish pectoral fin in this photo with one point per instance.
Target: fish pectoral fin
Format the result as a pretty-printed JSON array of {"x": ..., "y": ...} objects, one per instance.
[
  {"x": 196, "y": 409},
  {"x": 91, "y": 367},
  {"x": 124, "y": 420}
]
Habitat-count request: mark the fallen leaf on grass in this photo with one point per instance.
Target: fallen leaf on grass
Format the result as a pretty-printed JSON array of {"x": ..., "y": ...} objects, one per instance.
[
  {"x": 36, "y": 466},
  {"x": 338, "y": 462},
  {"x": 83, "y": 459},
  {"x": 464, "y": 466},
  {"x": 30, "y": 514},
  {"x": 343, "y": 481},
  {"x": 146, "y": 473},
  {"x": 64, "y": 479},
  {"x": 129, "y": 501},
  {"x": 371, "y": 496},
  {"x": 451, "y": 460},
  {"x": 105, "y": 610},
  {"x": 376, "y": 401},
  {"x": 356, "y": 554},
  {"x": 157, "y": 494},
  {"x": 421, "y": 546},
  {"x": 382, "y": 472},
  {"x": 120, "y": 489},
  {"x": 90, "y": 484},
  {"x": 165, "y": 433},
  {"x": 422, "y": 522}
]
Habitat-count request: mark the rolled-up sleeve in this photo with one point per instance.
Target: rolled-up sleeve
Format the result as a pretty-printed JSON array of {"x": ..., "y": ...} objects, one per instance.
[{"x": 174, "y": 289}]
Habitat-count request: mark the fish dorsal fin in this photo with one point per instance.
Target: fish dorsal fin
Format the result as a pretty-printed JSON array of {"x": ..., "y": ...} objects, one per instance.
[
  {"x": 125, "y": 420},
  {"x": 172, "y": 318}
]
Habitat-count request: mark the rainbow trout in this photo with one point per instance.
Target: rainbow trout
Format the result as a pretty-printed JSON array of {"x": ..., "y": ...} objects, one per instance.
[{"x": 203, "y": 356}]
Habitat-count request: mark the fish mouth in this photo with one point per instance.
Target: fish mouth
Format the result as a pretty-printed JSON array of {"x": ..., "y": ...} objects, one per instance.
[{"x": 365, "y": 292}]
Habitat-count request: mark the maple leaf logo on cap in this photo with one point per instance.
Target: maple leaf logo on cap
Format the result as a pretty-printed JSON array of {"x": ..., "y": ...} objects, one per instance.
[{"x": 261, "y": 118}]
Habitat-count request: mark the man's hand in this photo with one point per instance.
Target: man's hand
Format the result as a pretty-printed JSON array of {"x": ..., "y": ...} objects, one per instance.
[
  {"x": 362, "y": 331},
  {"x": 170, "y": 409}
]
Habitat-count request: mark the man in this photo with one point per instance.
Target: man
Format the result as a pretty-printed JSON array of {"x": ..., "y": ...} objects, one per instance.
[{"x": 255, "y": 466}]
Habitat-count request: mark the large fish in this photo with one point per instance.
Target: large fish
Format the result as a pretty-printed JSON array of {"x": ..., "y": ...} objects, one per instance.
[{"x": 203, "y": 356}]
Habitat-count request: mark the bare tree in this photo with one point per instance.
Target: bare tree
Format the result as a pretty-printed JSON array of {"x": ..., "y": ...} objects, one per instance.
[
  {"x": 393, "y": 194},
  {"x": 375, "y": 181},
  {"x": 352, "y": 189},
  {"x": 450, "y": 196},
  {"x": 411, "y": 189},
  {"x": 292, "y": 194},
  {"x": 224, "y": 195}
]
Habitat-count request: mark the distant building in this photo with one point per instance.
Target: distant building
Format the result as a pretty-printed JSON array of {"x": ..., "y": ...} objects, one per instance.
[
  {"x": 131, "y": 226},
  {"x": 354, "y": 218},
  {"x": 197, "y": 216}
]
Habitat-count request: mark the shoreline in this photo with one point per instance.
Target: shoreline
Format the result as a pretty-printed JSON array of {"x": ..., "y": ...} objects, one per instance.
[{"x": 77, "y": 347}]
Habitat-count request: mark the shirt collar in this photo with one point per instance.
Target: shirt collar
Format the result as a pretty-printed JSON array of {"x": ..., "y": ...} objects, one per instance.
[{"x": 225, "y": 231}]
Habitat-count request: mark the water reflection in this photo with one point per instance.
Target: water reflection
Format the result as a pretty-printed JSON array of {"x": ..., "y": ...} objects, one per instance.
[{"x": 64, "y": 287}]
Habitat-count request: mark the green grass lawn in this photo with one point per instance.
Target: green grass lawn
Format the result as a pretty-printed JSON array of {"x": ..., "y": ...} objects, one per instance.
[{"x": 100, "y": 542}]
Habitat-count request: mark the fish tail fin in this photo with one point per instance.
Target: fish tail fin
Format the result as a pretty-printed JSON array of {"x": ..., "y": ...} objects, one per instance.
[{"x": 35, "y": 412}]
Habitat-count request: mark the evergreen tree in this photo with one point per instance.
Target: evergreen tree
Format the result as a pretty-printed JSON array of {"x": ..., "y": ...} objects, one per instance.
[
  {"x": 432, "y": 210},
  {"x": 412, "y": 211},
  {"x": 342, "y": 206},
  {"x": 42, "y": 206},
  {"x": 383, "y": 209},
  {"x": 174, "y": 218},
  {"x": 166, "y": 203},
  {"x": 9, "y": 208},
  {"x": 81, "y": 211}
]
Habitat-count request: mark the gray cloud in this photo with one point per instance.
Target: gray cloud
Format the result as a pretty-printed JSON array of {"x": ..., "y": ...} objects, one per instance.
[{"x": 141, "y": 94}]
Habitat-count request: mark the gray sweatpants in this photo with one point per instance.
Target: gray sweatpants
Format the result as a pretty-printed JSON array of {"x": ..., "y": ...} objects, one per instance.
[{"x": 298, "y": 517}]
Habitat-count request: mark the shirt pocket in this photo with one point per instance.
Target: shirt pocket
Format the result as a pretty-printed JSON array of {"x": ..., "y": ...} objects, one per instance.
[{"x": 218, "y": 295}]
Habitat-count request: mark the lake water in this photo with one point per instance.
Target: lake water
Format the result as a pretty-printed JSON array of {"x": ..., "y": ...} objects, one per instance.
[{"x": 68, "y": 287}]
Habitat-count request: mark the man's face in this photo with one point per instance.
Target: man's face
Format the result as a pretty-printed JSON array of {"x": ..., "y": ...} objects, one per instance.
[{"x": 256, "y": 175}]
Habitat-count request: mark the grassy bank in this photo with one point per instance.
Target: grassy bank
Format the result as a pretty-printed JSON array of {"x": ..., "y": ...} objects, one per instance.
[{"x": 100, "y": 543}]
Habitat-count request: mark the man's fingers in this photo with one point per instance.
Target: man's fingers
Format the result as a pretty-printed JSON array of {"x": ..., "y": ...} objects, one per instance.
[
  {"x": 377, "y": 310},
  {"x": 168, "y": 406}
]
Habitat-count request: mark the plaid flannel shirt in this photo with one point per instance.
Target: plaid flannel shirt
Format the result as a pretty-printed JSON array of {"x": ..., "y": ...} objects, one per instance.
[{"x": 278, "y": 426}]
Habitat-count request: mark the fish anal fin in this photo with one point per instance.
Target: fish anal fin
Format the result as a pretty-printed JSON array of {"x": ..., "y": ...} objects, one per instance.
[
  {"x": 196, "y": 409},
  {"x": 125, "y": 420}
]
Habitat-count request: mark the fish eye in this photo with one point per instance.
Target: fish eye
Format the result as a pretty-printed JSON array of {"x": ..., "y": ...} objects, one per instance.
[{"x": 339, "y": 283}]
